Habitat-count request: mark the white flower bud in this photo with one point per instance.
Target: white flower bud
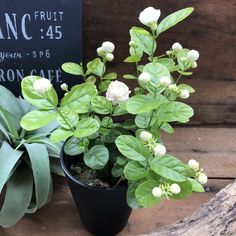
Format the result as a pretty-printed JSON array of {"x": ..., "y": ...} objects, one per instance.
[
  {"x": 157, "y": 192},
  {"x": 159, "y": 150},
  {"x": 194, "y": 64},
  {"x": 193, "y": 164},
  {"x": 117, "y": 92},
  {"x": 184, "y": 94},
  {"x": 64, "y": 87},
  {"x": 109, "y": 56},
  {"x": 193, "y": 55},
  {"x": 175, "y": 189},
  {"x": 202, "y": 178},
  {"x": 144, "y": 77},
  {"x": 168, "y": 53},
  {"x": 177, "y": 47},
  {"x": 173, "y": 87},
  {"x": 165, "y": 81},
  {"x": 100, "y": 51},
  {"x": 108, "y": 47},
  {"x": 145, "y": 136},
  {"x": 149, "y": 16},
  {"x": 42, "y": 85},
  {"x": 132, "y": 43}
]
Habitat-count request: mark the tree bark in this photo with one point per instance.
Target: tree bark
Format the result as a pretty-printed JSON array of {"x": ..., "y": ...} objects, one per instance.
[{"x": 215, "y": 218}]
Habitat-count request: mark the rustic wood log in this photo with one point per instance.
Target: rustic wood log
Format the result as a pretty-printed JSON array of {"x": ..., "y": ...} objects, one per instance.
[{"x": 217, "y": 217}]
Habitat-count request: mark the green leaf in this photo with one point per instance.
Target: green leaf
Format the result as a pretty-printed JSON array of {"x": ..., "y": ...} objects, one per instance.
[
  {"x": 8, "y": 159},
  {"x": 143, "y": 39},
  {"x": 104, "y": 85},
  {"x": 117, "y": 170},
  {"x": 132, "y": 148},
  {"x": 167, "y": 62},
  {"x": 18, "y": 196},
  {"x": 86, "y": 127},
  {"x": 135, "y": 171},
  {"x": 173, "y": 19},
  {"x": 60, "y": 134},
  {"x": 97, "y": 157},
  {"x": 9, "y": 102},
  {"x": 187, "y": 87},
  {"x": 72, "y": 68},
  {"x": 144, "y": 194},
  {"x": 46, "y": 101},
  {"x": 156, "y": 70},
  {"x": 10, "y": 122},
  {"x": 107, "y": 122},
  {"x": 128, "y": 76},
  {"x": 110, "y": 76},
  {"x": 169, "y": 167},
  {"x": 130, "y": 197},
  {"x": 39, "y": 159},
  {"x": 69, "y": 119},
  {"x": 186, "y": 190},
  {"x": 167, "y": 128},
  {"x": 101, "y": 105},
  {"x": 74, "y": 147},
  {"x": 140, "y": 103},
  {"x": 174, "y": 111},
  {"x": 132, "y": 59},
  {"x": 142, "y": 121},
  {"x": 185, "y": 72},
  {"x": 37, "y": 119},
  {"x": 79, "y": 97},
  {"x": 96, "y": 67},
  {"x": 196, "y": 186}
]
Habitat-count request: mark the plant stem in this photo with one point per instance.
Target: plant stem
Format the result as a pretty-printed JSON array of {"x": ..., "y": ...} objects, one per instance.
[
  {"x": 153, "y": 43},
  {"x": 19, "y": 145},
  {"x": 150, "y": 121},
  {"x": 117, "y": 183},
  {"x": 179, "y": 77}
]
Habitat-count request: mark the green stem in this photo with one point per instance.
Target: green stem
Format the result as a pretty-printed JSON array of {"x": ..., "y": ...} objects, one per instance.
[
  {"x": 117, "y": 183},
  {"x": 179, "y": 77},
  {"x": 150, "y": 121},
  {"x": 19, "y": 145},
  {"x": 153, "y": 43}
]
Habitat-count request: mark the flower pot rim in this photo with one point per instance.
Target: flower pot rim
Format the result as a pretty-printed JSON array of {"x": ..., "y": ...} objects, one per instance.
[{"x": 67, "y": 172}]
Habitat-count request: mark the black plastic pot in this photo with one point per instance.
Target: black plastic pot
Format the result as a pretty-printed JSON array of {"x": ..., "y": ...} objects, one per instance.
[{"x": 104, "y": 212}]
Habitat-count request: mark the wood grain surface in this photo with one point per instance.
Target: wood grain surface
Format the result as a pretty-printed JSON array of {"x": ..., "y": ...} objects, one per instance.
[{"x": 211, "y": 29}]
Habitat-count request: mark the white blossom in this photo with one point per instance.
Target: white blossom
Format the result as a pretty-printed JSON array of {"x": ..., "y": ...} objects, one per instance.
[
  {"x": 193, "y": 55},
  {"x": 165, "y": 81},
  {"x": 64, "y": 87},
  {"x": 117, "y": 92},
  {"x": 157, "y": 192},
  {"x": 202, "y": 178},
  {"x": 42, "y": 85},
  {"x": 100, "y": 51},
  {"x": 175, "y": 189},
  {"x": 109, "y": 56},
  {"x": 144, "y": 77},
  {"x": 193, "y": 164},
  {"x": 177, "y": 47},
  {"x": 145, "y": 136},
  {"x": 159, "y": 150},
  {"x": 184, "y": 94},
  {"x": 149, "y": 16},
  {"x": 108, "y": 47}
]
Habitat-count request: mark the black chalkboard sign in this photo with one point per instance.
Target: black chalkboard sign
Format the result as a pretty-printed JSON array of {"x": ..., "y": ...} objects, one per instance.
[{"x": 36, "y": 37}]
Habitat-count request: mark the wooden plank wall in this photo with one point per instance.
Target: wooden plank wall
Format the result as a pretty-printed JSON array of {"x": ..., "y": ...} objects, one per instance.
[{"x": 211, "y": 29}]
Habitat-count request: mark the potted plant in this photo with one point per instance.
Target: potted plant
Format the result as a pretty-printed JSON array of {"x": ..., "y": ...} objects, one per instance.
[
  {"x": 26, "y": 161},
  {"x": 107, "y": 156}
]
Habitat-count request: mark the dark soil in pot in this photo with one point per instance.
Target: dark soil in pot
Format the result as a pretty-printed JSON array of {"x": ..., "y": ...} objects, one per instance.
[{"x": 103, "y": 209}]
